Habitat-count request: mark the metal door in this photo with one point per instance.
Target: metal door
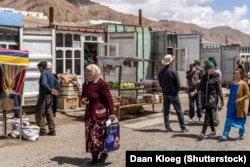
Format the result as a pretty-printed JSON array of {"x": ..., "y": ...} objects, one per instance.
[{"x": 180, "y": 59}]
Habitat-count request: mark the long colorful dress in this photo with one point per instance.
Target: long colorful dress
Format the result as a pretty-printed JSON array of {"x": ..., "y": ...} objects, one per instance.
[{"x": 231, "y": 117}]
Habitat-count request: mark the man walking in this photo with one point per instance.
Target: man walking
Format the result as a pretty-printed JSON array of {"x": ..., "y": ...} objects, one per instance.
[
  {"x": 170, "y": 84},
  {"x": 194, "y": 76},
  {"x": 48, "y": 87}
]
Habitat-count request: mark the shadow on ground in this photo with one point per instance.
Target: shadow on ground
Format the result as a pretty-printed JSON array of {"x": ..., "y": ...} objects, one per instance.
[
  {"x": 80, "y": 162},
  {"x": 186, "y": 135},
  {"x": 149, "y": 130}
]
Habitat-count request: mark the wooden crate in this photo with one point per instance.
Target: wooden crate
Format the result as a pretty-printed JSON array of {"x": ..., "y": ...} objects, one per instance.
[
  {"x": 67, "y": 103},
  {"x": 6, "y": 103},
  {"x": 69, "y": 92},
  {"x": 70, "y": 84}
]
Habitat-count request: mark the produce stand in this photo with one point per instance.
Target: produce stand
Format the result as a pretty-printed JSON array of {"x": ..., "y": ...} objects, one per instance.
[
  {"x": 119, "y": 62},
  {"x": 13, "y": 66}
]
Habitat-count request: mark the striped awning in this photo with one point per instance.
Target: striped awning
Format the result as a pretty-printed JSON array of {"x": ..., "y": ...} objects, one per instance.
[
  {"x": 13, "y": 66},
  {"x": 14, "y": 57}
]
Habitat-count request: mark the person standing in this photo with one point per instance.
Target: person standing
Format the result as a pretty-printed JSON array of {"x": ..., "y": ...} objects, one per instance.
[
  {"x": 170, "y": 84},
  {"x": 48, "y": 87},
  {"x": 194, "y": 77},
  {"x": 54, "y": 98},
  {"x": 211, "y": 88},
  {"x": 240, "y": 66},
  {"x": 99, "y": 107},
  {"x": 236, "y": 106},
  {"x": 217, "y": 68},
  {"x": 219, "y": 108}
]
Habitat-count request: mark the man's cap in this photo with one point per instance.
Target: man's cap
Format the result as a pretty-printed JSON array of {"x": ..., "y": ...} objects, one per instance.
[{"x": 42, "y": 63}]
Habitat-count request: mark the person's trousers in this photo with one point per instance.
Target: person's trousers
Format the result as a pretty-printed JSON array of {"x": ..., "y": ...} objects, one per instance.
[
  {"x": 208, "y": 121},
  {"x": 197, "y": 100},
  {"x": 227, "y": 128},
  {"x": 16, "y": 104},
  {"x": 175, "y": 101},
  {"x": 54, "y": 105},
  {"x": 44, "y": 110}
]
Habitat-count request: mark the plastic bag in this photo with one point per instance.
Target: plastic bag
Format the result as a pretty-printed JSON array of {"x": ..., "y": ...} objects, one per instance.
[
  {"x": 15, "y": 133},
  {"x": 112, "y": 140},
  {"x": 31, "y": 133}
]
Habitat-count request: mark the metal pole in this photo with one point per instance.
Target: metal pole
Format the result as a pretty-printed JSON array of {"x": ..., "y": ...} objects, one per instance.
[
  {"x": 119, "y": 92},
  {"x": 21, "y": 119}
]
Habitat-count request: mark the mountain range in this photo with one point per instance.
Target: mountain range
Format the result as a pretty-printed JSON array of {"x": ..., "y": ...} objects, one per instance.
[{"x": 83, "y": 10}]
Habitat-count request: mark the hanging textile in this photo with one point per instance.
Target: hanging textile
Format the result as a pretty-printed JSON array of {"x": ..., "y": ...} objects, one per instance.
[{"x": 13, "y": 65}]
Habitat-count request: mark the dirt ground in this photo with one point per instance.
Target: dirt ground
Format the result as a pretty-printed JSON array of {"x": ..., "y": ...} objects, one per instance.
[{"x": 67, "y": 148}]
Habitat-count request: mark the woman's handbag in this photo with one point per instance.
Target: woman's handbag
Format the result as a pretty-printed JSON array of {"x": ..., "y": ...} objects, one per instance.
[{"x": 112, "y": 140}]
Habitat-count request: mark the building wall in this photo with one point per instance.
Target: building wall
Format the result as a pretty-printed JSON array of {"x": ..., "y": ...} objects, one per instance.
[{"x": 25, "y": 13}]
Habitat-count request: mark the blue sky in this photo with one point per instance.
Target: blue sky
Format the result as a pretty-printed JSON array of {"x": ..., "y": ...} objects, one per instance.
[{"x": 205, "y": 13}]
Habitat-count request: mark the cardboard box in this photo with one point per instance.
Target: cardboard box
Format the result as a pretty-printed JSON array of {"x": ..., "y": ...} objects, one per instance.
[
  {"x": 6, "y": 103},
  {"x": 67, "y": 103}
]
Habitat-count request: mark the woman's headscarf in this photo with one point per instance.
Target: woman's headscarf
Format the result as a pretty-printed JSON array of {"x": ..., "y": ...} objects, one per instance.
[{"x": 96, "y": 72}]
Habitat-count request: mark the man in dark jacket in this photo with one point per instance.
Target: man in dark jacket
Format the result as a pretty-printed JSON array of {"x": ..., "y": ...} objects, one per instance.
[
  {"x": 48, "y": 86},
  {"x": 170, "y": 84}
]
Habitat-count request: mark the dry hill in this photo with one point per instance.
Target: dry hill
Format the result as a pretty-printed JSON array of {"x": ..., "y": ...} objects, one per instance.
[{"x": 80, "y": 10}]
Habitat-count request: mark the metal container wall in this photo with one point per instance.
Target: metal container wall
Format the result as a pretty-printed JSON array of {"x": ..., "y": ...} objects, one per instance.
[
  {"x": 229, "y": 56},
  {"x": 39, "y": 44},
  {"x": 134, "y": 41},
  {"x": 208, "y": 50},
  {"x": 192, "y": 43},
  {"x": 189, "y": 43},
  {"x": 162, "y": 43}
]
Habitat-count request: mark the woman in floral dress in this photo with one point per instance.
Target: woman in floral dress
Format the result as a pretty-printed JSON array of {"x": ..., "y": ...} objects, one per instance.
[{"x": 99, "y": 107}]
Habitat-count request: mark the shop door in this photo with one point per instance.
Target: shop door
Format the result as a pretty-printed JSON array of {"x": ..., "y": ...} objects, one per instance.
[{"x": 181, "y": 65}]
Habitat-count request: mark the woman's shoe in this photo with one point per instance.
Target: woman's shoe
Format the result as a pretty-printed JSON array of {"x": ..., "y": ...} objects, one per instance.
[
  {"x": 223, "y": 138},
  {"x": 212, "y": 134},
  {"x": 94, "y": 160},
  {"x": 240, "y": 138},
  {"x": 103, "y": 157}
]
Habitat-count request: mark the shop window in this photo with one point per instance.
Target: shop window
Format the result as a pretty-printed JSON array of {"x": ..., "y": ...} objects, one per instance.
[
  {"x": 68, "y": 40},
  {"x": 59, "y": 62},
  {"x": 10, "y": 38},
  {"x": 14, "y": 47},
  {"x": 76, "y": 42},
  {"x": 76, "y": 37},
  {"x": 3, "y": 46},
  {"x": 77, "y": 62},
  {"x": 59, "y": 40},
  {"x": 94, "y": 38},
  {"x": 90, "y": 38},
  {"x": 68, "y": 61}
]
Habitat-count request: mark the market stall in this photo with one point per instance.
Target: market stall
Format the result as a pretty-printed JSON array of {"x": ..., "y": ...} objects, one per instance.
[
  {"x": 13, "y": 65},
  {"x": 109, "y": 62}
]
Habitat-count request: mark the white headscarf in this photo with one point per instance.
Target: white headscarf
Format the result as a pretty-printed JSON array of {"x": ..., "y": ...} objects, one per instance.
[{"x": 96, "y": 72}]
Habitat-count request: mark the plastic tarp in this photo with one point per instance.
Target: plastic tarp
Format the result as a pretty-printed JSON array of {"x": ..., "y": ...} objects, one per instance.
[{"x": 13, "y": 65}]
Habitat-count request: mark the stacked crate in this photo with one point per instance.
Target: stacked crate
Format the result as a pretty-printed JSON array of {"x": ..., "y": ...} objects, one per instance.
[{"x": 68, "y": 92}]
